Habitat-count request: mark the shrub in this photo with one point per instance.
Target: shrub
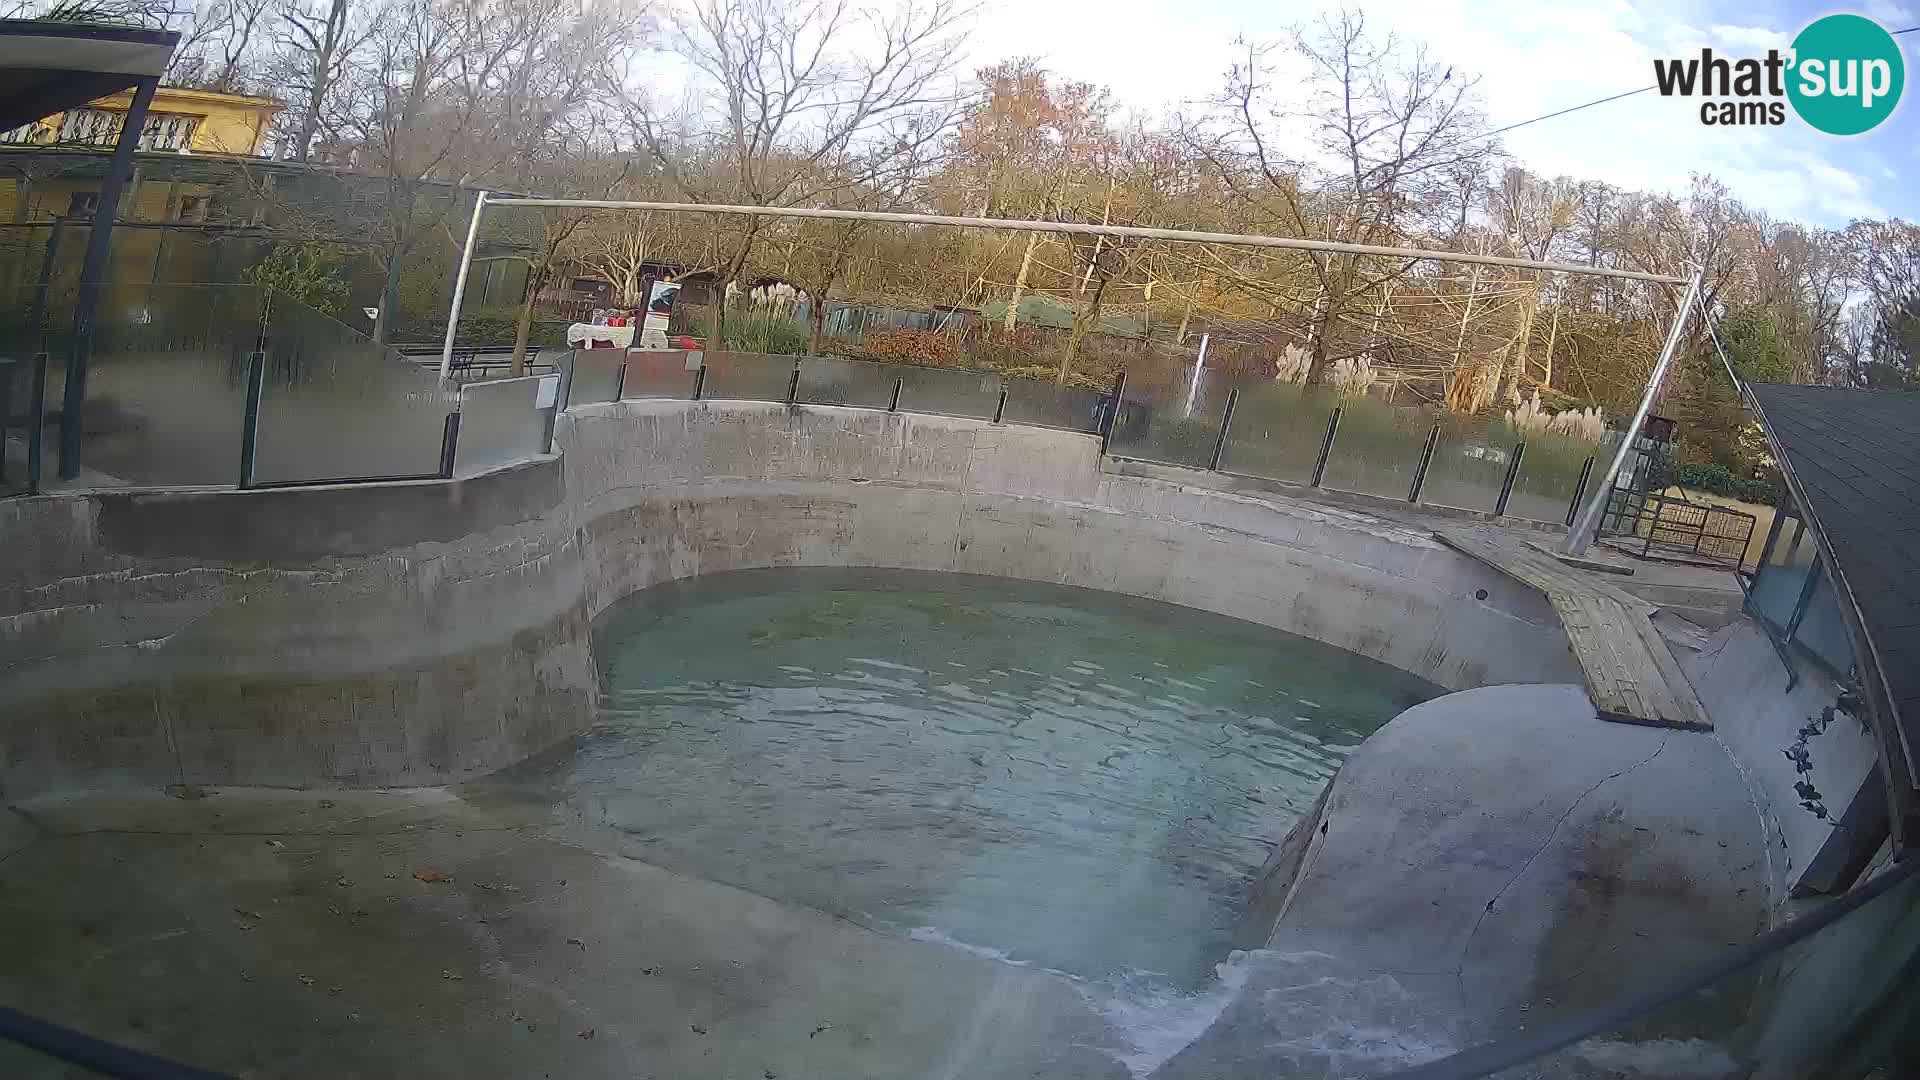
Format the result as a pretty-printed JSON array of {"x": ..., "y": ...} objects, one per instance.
[
  {"x": 925, "y": 348},
  {"x": 775, "y": 334},
  {"x": 314, "y": 274},
  {"x": 1719, "y": 480}
]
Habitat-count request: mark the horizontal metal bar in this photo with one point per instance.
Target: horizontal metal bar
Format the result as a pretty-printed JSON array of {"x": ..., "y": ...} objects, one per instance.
[{"x": 1088, "y": 229}]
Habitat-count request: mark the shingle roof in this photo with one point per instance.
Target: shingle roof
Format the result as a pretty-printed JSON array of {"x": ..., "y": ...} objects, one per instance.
[{"x": 1853, "y": 459}]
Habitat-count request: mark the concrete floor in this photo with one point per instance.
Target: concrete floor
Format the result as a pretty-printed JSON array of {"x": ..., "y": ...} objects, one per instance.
[
  {"x": 289, "y": 933},
  {"x": 1494, "y": 858}
]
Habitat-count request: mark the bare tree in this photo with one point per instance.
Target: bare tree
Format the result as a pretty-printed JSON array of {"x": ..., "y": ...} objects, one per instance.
[
  {"x": 216, "y": 50},
  {"x": 315, "y": 43},
  {"x": 788, "y": 87},
  {"x": 1387, "y": 127}
]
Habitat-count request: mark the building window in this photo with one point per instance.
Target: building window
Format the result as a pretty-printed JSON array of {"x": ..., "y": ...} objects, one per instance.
[
  {"x": 194, "y": 208},
  {"x": 101, "y": 127},
  {"x": 83, "y": 204}
]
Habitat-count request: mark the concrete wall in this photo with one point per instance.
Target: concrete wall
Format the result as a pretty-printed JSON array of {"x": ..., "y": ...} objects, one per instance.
[
  {"x": 417, "y": 633},
  {"x": 365, "y": 635},
  {"x": 673, "y": 489}
]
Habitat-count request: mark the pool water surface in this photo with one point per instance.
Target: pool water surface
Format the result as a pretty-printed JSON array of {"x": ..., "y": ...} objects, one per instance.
[{"x": 1076, "y": 780}]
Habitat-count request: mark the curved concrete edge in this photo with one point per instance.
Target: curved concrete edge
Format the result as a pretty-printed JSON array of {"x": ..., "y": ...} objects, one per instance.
[
  {"x": 422, "y": 632},
  {"x": 1510, "y": 858},
  {"x": 706, "y": 487},
  {"x": 372, "y": 635}
]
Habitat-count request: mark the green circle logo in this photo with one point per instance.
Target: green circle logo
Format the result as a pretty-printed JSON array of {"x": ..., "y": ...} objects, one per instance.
[{"x": 1847, "y": 74}]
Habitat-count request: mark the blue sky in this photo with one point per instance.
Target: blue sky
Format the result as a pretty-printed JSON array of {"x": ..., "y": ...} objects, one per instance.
[{"x": 1532, "y": 58}]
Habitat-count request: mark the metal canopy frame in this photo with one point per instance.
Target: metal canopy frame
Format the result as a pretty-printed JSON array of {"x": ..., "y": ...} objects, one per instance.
[
  {"x": 1578, "y": 537},
  {"x": 48, "y": 67}
]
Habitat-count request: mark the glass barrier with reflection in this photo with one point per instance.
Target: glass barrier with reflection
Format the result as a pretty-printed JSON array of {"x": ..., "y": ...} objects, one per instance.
[
  {"x": 949, "y": 391},
  {"x": 657, "y": 373},
  {"x": 1550, "y": 473},
  {"x": 1832, "y": 994},
  {"x": 591, "y": 376},
  {"x": 1044, "y": 404},
  {"x": 335, "y": 405},
  {"x": 1277, "y": 430},
  {"x": 733, "y": 376},
  {"x": 1376, "y": 448},
  {"x": 1469, "y": 466},
  {"x": 501, "y": 422},
  {"x": 830, "y": 380},
  {"x": 165, "y": 388},
  {"x": 1166, "y": 424}
]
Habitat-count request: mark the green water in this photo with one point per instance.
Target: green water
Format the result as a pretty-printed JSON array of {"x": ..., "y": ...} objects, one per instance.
[{"x": 1077, "y": 780}]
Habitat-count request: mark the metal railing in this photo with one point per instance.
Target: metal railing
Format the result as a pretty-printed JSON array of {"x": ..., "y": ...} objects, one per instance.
[
  {"x": 232, "y": 386},
  {"x": 1247, "y": 428},
  {"x": 1663, "y": 526},
  {"x": 215, "y": 386}
]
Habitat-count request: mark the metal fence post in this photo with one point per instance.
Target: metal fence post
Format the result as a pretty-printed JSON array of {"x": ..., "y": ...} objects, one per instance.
[
  {"x": 793, "y": 384},
  {"x": 1426, "y": 460},
  {"x": 1326, "y": 446},
  {"x": 1113, "y": 411},
  {"x": 36, "y": 425},
  {"x": 250, "y": 420},
  {"x": 699, "y": 381},
  {"x": 1000, "y": 407},
  {"x": 1226, "y": 421},
  {"x": 6, "y": 411},
  {"x": 449, "y": 444},
  {"x": 1513, "y": 473},
  {"x": 894, "y": 404},
  {"x": 620, "y": 379},
  {"x": 1579, "y": 489}
]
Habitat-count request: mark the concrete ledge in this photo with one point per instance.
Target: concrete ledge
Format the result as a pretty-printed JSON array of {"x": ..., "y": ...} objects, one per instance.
[
  {"x": 408, "y": 633},
  {"x": 672, "y": 489},
  {"x": 419, "y": 632}
]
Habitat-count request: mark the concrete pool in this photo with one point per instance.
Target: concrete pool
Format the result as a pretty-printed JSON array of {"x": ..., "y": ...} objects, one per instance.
[
  {"x": 1081, "y": 781},
  {"x": 365, "y": 703}
]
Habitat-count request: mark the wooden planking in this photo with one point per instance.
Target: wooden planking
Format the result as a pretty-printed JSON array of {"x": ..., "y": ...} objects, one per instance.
[{"x": 1631, "y": 674}]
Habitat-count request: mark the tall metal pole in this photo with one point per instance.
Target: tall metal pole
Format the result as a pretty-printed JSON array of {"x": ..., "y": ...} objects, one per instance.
[
  {"x": 1088, "y": 228},
  {"x": 1582, "y": 532},
  {"x": 1193, "y": 385},
  {"x": 460, "y": 286},
  {"x": 93, "y": 275}
]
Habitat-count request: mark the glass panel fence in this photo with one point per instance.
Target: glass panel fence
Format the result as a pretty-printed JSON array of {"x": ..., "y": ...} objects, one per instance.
[
  {"x": 1376, "y": 448},
  {"x": 1044, "y": 404},
  {"x": 1549, "y": 473},
  {"x": 830, "y": 380},
  {"x": 949, "y": 391},
  {"x": 165, "y": 391},
  {"x": 591, "y": 376},
  {"x": 654, "y": 373},
  {"x": 1822, "y": 630},
  {"x": 21, "y": 339},
  {"x": 1469, "y": 465},
  {"x": 1838, "y": 1003},
  {"x": 739, "y": 376},
  {"x": 500, "y": 422},
  {"x": 337, "y": 406},
  {"x": 1277, "y": 430},
  {"x": 1777, "y": 585},
  {"x": 1174, "y": 422}
]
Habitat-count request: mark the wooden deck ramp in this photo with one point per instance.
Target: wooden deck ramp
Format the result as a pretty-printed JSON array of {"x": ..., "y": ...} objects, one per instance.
[{"x": 1631, "y": 675}]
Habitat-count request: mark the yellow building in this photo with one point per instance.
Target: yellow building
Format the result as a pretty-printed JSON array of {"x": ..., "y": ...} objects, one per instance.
[
  {"x": 189, "y": 121},
  {"x": 189, "y": 179}
]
